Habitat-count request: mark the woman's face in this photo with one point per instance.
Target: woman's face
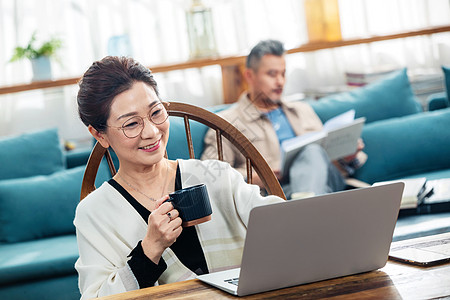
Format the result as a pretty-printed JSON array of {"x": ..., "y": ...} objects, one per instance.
[{"x": 149, "y": 147}]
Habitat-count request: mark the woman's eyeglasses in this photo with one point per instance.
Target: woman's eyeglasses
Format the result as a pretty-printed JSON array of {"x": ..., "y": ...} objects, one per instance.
[{"x": 133, "y": 127}]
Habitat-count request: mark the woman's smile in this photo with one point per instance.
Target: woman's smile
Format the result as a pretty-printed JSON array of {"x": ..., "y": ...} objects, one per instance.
[{"x": 151, "y": 147}]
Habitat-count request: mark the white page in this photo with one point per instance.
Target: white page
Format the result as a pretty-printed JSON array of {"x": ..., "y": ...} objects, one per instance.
[{"x": 340, "y": 120}]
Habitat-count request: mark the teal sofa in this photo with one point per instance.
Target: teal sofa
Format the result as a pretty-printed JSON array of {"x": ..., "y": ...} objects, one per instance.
[
  {"x": 401, "y": 139},
  {"x": 40, "y": 182},
  {"x": 39, "y": 189}
]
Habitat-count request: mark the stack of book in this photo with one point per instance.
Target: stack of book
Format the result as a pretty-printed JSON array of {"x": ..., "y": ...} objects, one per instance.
[
  {"x": 367, "y": 75},
  {"x": 425, "y": 82}
]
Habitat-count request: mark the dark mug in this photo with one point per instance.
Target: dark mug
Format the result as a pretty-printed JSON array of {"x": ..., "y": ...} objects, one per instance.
[{"x": 192, "y": 204}]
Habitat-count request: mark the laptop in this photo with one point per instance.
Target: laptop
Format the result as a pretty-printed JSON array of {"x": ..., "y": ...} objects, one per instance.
[
  {"x": 313, "y": 239},
  {"x": 422, "y": 251}
]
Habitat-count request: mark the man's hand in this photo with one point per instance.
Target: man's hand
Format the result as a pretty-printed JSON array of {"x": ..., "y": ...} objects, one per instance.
[{"x": 359, "y": 148}]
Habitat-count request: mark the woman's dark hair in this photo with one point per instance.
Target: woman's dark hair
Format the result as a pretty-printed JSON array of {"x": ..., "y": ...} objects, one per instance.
[
  {"x": 104, "y": 80},
  {"x": 272, "y": 47}
]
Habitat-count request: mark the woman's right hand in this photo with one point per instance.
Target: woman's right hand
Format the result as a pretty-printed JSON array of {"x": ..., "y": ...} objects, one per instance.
[{"x": 164, "y": 227}]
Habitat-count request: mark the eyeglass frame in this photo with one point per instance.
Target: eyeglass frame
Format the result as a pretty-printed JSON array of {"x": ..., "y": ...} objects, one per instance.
[{"x": 142, "y": 119}]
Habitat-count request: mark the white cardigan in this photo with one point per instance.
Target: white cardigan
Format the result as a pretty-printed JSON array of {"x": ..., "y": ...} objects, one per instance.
[{"x": 108, "y": 228}]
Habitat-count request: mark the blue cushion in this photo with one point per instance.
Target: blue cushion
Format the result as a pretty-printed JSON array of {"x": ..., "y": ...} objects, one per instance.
[
  {"x": 446, "y": 71},
  {"x": 38, "y": 259},
  {"x": 438, "y": 101},
  {"x": 387, "y": 98},
  {"x": 40, "y": 206},
  {"x": 30, "y": 154},
  {"x": 405, "y": 146}
]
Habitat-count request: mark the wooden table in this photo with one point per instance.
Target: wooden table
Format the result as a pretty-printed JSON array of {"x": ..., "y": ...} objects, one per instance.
[{"x": 394, "y": 281}]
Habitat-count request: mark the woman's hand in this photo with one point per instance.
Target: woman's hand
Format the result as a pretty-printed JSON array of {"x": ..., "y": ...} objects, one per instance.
[{"x": 164, "y": 227}]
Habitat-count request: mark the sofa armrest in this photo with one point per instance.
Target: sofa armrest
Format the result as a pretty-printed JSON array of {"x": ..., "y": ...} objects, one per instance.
[
  {"x": 77, "y": 157},
  {"x": 437, "y": 101}
]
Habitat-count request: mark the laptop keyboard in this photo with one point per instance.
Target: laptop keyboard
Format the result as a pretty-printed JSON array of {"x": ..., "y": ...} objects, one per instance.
[
  {"x": 233, "y": 281},
  {"x": 421, "y": 245}
]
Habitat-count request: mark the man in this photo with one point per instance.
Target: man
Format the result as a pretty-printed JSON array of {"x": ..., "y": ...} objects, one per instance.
[{"x": 266, "y": 120}]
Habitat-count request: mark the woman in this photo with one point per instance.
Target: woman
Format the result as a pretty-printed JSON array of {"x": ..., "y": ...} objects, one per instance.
[{"x": 128, "y": 237}]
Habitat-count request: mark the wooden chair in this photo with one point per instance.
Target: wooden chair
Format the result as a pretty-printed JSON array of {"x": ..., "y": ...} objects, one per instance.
[{"x": 223, "y": 129}]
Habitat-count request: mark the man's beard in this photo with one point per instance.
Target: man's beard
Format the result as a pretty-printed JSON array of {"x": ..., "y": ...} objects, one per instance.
[{"x": 266, "y": 101}]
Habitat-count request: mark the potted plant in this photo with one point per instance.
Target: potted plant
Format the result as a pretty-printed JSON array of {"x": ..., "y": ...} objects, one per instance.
[{"x": 39, "y": 56}]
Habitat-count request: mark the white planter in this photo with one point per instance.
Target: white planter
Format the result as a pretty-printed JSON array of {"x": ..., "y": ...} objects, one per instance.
[{"x": 42, "y": 68}]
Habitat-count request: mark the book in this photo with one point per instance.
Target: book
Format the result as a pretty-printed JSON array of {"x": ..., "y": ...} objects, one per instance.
[
  {"x": 339, "y": 137},
  {"x": 415, "y": 192},
  {"x": 365, "y": 75},
  {"x": 441, "y": 191}
]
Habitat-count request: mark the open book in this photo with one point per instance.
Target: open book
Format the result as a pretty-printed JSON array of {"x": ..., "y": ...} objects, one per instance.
[
  {"x": 415, "y": 192},
  {"x": 339, "y": 137}
]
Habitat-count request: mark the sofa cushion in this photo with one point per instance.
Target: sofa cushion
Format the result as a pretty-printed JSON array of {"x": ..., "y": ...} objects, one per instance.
[
  {"x": 446, "y": 70},
  {"x": 61, "y": 288},
  {"x": 404, "y": 146},
  {"x": 39, "y": 206},
  {"x": 30, "y": 154},
  {"x": 438, "y": 101},
  {"x": 387, "y": 98},
  {"x": 38, "y": 259}
]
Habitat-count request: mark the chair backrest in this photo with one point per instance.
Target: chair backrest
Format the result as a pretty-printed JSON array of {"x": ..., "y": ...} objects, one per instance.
[{"x": 222, "y": 128}]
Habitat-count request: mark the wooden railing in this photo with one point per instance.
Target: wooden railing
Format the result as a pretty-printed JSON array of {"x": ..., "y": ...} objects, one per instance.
[{"x": 232, "y": 66}]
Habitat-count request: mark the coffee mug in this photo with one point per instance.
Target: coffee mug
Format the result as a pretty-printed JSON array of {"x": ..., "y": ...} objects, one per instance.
[{"x": 192, "y": 204}]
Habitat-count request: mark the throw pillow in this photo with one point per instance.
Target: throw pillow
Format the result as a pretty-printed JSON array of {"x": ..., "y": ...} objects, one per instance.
[
  {"x": 447, "y": 80},
  {"x": 30, "y": 154},
  {"x": 401, "y": 147},
  {"x": 39, "y": 206},
  {"x": 389, "y": 97}
]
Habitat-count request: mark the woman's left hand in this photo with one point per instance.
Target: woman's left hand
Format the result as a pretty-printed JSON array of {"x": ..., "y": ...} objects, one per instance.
[{"x": 164, "y": 227}]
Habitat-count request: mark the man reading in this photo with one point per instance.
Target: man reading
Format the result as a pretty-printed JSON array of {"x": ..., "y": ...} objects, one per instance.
[{"x": 267, "y": 120}]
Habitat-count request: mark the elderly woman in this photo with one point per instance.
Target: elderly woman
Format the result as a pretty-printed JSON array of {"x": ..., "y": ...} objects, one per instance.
[{"x": 128, "y": 237}]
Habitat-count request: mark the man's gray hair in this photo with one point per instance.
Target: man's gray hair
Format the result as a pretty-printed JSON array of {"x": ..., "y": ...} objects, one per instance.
[{"x": 272, "y": 47}]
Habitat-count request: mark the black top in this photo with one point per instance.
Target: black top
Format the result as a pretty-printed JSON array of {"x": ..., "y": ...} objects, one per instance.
[{"x": 187, "y": 246}]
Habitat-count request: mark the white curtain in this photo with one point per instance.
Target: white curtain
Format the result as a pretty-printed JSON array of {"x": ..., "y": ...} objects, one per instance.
[
  {"x": 325, "y": 70},
  {"x": 156, "y": 32}
]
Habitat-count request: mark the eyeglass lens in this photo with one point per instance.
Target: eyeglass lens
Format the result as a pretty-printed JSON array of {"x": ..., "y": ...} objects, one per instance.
[{"x": 134, "y": 126}]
